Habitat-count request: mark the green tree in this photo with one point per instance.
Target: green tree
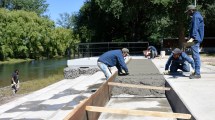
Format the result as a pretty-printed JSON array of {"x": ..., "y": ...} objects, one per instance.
[
  {"x": 26, "y": 35},
  {"x": 38, "y": 6},
  {"x": 150, "y": 20},
  {"x": 66, "y": 21}
]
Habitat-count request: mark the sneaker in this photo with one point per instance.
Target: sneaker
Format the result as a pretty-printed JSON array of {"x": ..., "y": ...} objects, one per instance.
[{"x": 195, "y": 76}]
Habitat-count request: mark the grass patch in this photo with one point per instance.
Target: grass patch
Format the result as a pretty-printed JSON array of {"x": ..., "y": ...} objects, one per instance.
[
  {"x": 208, "y": 55},
  {"x": 12, "y": 61},
  {"x": 31, "y": 86}
]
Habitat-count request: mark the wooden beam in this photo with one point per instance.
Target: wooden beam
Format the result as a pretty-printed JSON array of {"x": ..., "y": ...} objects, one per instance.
[
  {"x": 137, "y": 86},
  {"x": 138, "y": 112}
]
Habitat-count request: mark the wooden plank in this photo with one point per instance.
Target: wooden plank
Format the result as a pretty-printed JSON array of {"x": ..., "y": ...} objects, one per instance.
[
  {"x": 79, "y": 112},
  {"x": 138, "y": 112},
  {"x": 137, "y": 86}
]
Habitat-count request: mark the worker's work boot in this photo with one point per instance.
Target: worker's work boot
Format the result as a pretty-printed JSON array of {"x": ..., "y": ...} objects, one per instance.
[{"x": 194, "y": 76}]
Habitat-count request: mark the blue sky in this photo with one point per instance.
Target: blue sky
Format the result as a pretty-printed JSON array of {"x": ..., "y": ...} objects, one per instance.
[{"x": 61, "y": 6}]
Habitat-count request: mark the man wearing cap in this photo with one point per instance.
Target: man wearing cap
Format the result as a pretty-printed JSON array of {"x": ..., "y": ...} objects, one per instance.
[
  {"x": 113, "y": 58},
  {"x": 196, "y": 34},
  {"x": 178, "y": 60}
]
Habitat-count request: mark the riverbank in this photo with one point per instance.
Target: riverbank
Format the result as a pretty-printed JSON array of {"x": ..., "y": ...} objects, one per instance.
[
  {"x": 12, "y": 61},
  {"x": 27, "y": 87}
]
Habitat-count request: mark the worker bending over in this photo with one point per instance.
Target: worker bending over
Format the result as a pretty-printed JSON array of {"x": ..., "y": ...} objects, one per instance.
[
  {"x": 113, "y": 58},
  {"x": 178, "y": 60}
]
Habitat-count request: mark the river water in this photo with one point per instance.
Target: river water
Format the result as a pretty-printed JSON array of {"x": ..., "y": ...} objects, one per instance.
[{"x": 32, "y": 70}]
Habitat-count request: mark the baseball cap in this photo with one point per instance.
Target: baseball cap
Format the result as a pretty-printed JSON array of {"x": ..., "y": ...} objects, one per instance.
[
  {"x": 190, "y": 7},
  {"x": 176, "y": 51},
  {"x": 125, "y": 50}
]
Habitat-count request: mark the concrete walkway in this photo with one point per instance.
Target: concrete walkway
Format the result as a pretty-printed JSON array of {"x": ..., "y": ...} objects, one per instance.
[{"x": 197, "y": 95}]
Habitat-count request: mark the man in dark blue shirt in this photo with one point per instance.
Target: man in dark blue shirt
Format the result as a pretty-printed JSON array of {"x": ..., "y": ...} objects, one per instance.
[
  {"x": 196, "y": 37},
  {"x": 113, "y": 58},
  {"x": 178, "y": 60}
]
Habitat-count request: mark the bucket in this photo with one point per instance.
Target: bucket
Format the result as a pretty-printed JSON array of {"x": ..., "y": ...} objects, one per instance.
[{"x": 162, "y": 53}]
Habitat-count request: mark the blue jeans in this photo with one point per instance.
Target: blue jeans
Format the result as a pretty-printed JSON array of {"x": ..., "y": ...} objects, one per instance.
[
  {"x": 196, "y": 57},
  {"x": 104, "y": 69},
  {"x": 185, "y": 67}
]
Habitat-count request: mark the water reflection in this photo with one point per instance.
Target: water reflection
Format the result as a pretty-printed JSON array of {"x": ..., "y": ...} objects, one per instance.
[{"x": 31, "y": 70}]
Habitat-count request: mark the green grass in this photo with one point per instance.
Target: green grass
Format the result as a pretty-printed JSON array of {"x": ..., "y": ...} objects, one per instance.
[
  {"x": 208, "y": 55},
  {"x": 12, "y": 61},
  {"x": 31, "y": 86}
]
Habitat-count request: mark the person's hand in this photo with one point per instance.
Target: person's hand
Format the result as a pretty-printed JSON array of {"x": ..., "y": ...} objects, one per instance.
[
  {"x": 123, "y": 74},
  {"x": 190, "y": 40},
  {"x": 166, "y": 72},
  {"x": 192, "y": 72},
  {"x": 126, "y": 73},
  {"x": 189, "y": 43}
]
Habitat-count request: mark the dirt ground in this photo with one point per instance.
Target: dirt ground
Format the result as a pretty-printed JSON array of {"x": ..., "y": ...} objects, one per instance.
[{"x": 7, "y": 98}]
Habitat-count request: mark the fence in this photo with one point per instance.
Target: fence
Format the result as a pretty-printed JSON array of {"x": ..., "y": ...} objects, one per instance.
[{"x": 96, "y": 49}]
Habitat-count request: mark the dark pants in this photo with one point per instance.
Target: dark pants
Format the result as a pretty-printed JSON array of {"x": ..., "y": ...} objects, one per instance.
[
  {"x": 153, "y": 54},
  {"x": 185, "y": 67},
  {"x": 196, "y": 57}
]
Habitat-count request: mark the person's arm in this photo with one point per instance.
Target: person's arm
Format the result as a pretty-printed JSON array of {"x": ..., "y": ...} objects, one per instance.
[
  {"x": 189, "y": 60},
  {"x": 12, "y": 79},
  {"x": 168, "y": 62},
  {"x": 119, "y": 68},
  {"x": 122, "y": 63}
]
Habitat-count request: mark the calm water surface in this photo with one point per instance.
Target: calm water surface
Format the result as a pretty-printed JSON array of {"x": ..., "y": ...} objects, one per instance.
[{"x": 31, "y": 70}]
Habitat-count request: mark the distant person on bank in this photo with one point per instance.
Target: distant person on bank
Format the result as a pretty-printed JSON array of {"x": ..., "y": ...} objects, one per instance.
[
  {"x": 113, "y": 58},
  {"x": 15, "y": 81},
  {"x": 178, "y": 60},
  {"x": 151, "y": 52}
]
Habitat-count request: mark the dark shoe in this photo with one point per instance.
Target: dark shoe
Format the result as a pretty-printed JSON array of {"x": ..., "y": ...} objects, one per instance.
[{"x": 194, "y": 76}]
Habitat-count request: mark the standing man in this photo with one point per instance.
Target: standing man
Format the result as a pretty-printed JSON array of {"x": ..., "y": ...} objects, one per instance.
[
  {"x": 113, "y": 58},
  {"x": 151, "y": 52},
  {"x": 196, "y": 37},
  {"x": 178, "y": 60},
  {"x": 15, "y": 81}
]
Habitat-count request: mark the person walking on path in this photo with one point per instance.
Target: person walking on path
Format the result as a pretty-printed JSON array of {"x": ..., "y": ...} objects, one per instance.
[
  {"x": 113, "y": 58},
  {"x": 15, "y": 81},
  {"x": 178, "y": 60},
  {"x": 196, "y": 35},
  {"x": 151, "y": 52}
]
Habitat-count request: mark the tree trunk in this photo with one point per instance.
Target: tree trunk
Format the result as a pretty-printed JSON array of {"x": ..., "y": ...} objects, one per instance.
[{"x": 181, "y": 35}]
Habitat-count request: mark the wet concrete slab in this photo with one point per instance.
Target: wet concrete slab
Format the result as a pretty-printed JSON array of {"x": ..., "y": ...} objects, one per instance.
[
  {"x": 195, "y": 96},
  {"x": 141, "y": 72}
]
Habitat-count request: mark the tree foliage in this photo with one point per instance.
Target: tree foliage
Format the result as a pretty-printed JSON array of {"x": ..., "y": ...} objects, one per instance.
[
  {"x": 26, "y": 35},
  {"x": 138, "y": 20},
  {"x": 66, "y": 21},
  {"x": 37, "y": 6}
]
